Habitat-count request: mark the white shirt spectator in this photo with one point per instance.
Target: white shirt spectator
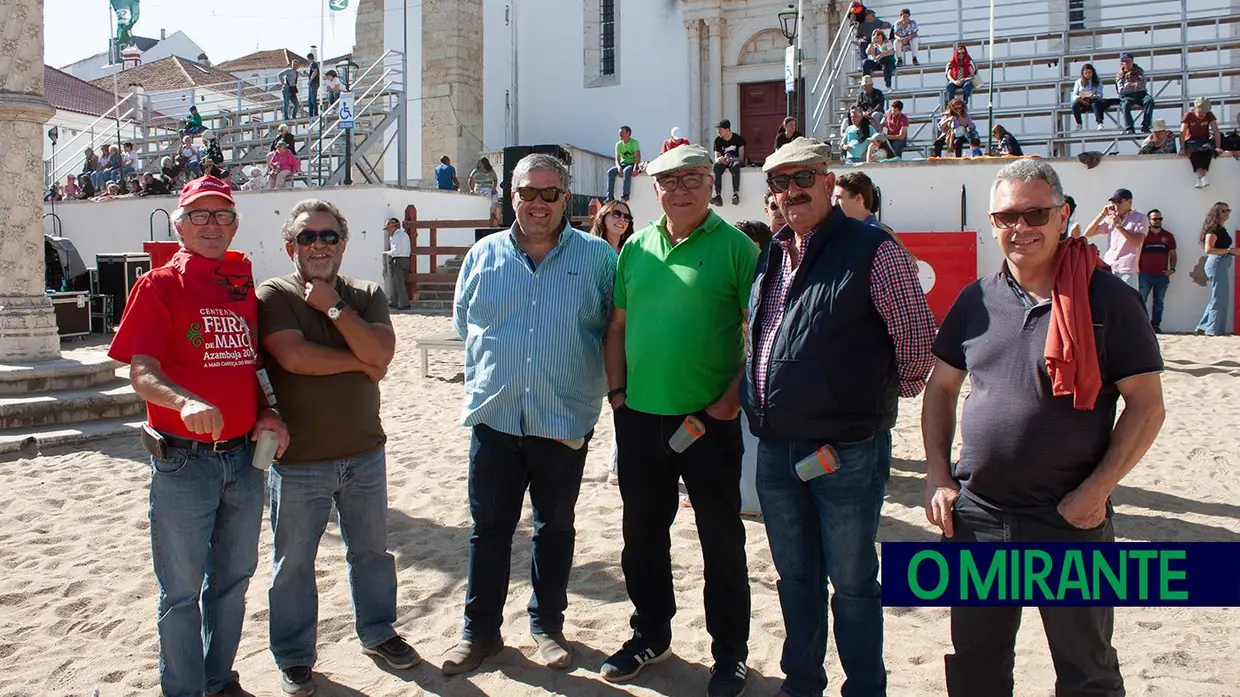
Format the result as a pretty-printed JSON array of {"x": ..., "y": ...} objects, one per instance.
[
  {"x": 333, "y": 84},
  {"x": 128, "y": 159},
  {"x": 400, "y": 244}
]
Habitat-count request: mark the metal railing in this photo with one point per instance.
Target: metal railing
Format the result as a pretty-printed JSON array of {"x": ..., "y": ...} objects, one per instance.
[
  {"x": 837, "y": 57},
  {"x": 69, "y": 156},
  {"x": 375, "y": 94}
]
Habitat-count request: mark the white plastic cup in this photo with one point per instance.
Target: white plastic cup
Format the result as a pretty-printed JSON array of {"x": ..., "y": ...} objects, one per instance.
[
  {"x": 690, "y": 430},
  {"x": 822, "y": 461},
  {"x": 265, "y": 449}
]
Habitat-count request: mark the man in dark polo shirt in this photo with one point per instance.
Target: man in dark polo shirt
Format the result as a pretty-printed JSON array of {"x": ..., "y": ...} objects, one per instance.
[
  {"x": 1156, "y": 265},
  {"x": 674, "y": 349},
  {"x": 824, "y": 276},
  {"x": 1034, "y": 467},
  {"x": 329, "y": 341}
]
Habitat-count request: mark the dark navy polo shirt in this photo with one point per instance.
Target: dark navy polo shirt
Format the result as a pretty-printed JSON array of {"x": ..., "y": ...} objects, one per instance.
[{"x": 1023, "y": 447}]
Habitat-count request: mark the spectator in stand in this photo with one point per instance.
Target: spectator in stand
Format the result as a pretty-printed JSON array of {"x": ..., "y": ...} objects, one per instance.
[
  {"x": 112, "y": 191},
  {"x": 730, "y": 156},
  {"x": 1156, "y": 265},
  {"x": 70, "y": 189},
  {"x": 905, "y": 34},
  {"x": 975, "y": 145},
  {"x": 960, "y": 73},
  {"x": 879, "y": 149},
  {"x": 312, "y": 94},
  {"x": 281, "y": 166},
  {"x": 484, "y": 181},
  {"x": 628, "y": 154},
  {"x": 1202, "y": 140},
  {"x": 1231, "y": 141},
  {"x": 760, "y": 233},
  {"x": 954, "y": 127},
  {"x": 773, "y": 214},
  {"x": 192, "y": 125},
  {"x": 880, "y": 55},
  {"x": 285, "y": 136},
  {"x": 257, "y": 181},
  {"x": 1160, "y": 142},
  {"x": 1130, "y": 83},
  {"x": 895, "y": 127},
  {"x": 213, "y": 157},
  {"x": 151, "y": 186},
  {"x": 865, "y": 32},
  {"x": 111, "y": 166},
  {"x": 288, "y": 85},
  {"x": 1005, "y": 142},
  {"x": 870, "y": 101},
  {"x": 675, "y": 141},
  {"x": 52, "y": 194},
  {"x": 129, "y": 162},
  {"x": 787, "y": 132},
  {"x": 193, "y": 156},
  {"x": 1087, "y": 96},
  {"x": 1125, "y": 230},
  {"x": 90, "y": 163},
  {"x": 445, "y": 175},
  {"x": 1073, "y": 228},
  {"x": 173, "y": 173},
  {"x": 332, "y": 85},
  {"x": 86, "y": 187},
  {"x": 856, "y": 138},
  {"x": 1217, "y": 245}
]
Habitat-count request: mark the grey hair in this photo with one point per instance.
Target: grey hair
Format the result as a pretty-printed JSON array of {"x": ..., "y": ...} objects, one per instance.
[
  {"x": 540, "y": 162},
  {"x": 1030, "y": 170},
  {"x": 313, "y": 205}
]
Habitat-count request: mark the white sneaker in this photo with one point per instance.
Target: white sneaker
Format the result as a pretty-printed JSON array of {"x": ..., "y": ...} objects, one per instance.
[
  {"x": 1102, "y": 126},
  {"x": 1204, "y": 182},
  {"x": 1197, "y": 184},
  {"x": 1079, "y": 126}
]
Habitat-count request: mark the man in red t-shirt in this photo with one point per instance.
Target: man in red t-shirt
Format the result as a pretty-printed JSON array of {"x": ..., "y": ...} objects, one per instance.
[
  {"x": 1156, "y": 265},
  {"x": 188, "y": 334}
]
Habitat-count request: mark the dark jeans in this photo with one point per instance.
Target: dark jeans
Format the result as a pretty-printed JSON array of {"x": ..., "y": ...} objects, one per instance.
[
  {"x": 957, "y": 146},
  {"x": 825, "y": 529},
  {"x": 290, "y": 105},
  {"x": 1137, "y": 99},
  {"x": 984, "y": 638},
  {"x": 887, "y": 65},
  {"x": 735, "y": 167},
  {"x": 312, "y": 100},
  {"x": 649, "y": 472},
  {"x": 399, "y": 272},
  {"x": 501, "y": 467},
  {"x": 1098, "y": 106},
  {"x": 966, "y": 91},
  {"x": 1157, "y": 283},
  {"x": 1200, "y": 156}
]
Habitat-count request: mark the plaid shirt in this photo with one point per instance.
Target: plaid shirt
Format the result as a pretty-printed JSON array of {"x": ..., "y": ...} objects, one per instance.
[{"x": 897, "y": 296}]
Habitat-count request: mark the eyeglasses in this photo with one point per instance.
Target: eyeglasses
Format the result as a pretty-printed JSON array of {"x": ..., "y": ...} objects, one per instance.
[
  {"x": 1155, "y": 220},
  {"x": 306, "y": 238},
  {"x": 617, "y": 213},
  {"x": 1034, "y": 217},
  {"x": 549, "y": 195},
  {"x": 205, "y": 217},
  {"x": 687, "y": 182},
  {"x": 779, "y": 183}
]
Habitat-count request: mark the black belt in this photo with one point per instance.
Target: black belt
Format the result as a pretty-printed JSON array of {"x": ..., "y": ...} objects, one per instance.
[{"x": 194, "y": 446}]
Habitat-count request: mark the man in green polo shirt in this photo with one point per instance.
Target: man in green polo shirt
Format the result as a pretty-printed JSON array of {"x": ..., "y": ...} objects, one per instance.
[
  {"x": 675, "y": 349},
  {"x": 628, "y": 154}
]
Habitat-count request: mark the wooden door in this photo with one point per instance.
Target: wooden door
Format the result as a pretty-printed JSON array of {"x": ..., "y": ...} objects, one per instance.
[{"x": 763, "y": 106}]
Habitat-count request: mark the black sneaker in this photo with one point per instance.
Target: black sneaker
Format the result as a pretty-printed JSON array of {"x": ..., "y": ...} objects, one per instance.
[
  {"x": 716, "y": 200},
  {"x": 624, "y": 199},
  {"x": 915, "y": 61},
  {"x": 637, "y": 653},
  {"x": 298, "y": 680},
  {"x": 727, "y": 680},
  {"x": 736, "y": 199},
  {"x": 396, "y": 652}
]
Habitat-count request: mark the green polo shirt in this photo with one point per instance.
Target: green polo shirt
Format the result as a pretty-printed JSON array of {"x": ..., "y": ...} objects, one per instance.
[{"x": 684, "y": 326}]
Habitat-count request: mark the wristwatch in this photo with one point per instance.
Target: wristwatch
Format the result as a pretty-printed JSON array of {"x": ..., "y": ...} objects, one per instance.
[{"x": 334, "y": 312}]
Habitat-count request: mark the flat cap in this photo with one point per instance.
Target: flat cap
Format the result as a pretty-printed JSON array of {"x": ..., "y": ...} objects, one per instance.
[
  {"x": 681, "y": 158},
  {"x": 802, "y": 151}
]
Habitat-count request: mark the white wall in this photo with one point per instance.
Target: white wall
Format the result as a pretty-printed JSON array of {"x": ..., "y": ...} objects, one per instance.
[
  {"x": 102, "y": 227},
  {"x": 498, "y": 105},
  {"x": 925, "y": 197},
  {"x": 176, "y": 45}
]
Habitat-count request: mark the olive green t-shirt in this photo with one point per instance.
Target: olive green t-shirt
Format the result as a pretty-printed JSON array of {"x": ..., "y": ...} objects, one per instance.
[
  {"x": 683, "y": 339},
  {"x": 329, "y": 417}
]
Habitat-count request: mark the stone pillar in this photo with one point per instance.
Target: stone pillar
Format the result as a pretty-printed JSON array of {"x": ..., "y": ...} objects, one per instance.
[
  {"x": 27, "y": 324},
  {"x": 451, "y": 84},
  {"x": 694, "y": 29},
  {"x": 715, "y": 25}
]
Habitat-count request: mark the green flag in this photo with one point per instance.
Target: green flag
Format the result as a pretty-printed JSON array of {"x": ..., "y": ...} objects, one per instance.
[
  {"x": 337, "y": 5},
  {"x": 126, "y": 16}
]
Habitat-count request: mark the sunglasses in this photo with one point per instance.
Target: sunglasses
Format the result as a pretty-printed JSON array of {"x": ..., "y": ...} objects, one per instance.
[
  {"x": 688, "y": 181},
  {"x": 549, "y": 195},
  {"x": 306, "y": 238},
  {"x": 779, "y": 183},
  {"x": 204, "y": 217},
  {"x": 1034, "y": 217},
  {"x": 621, "y": 215}
]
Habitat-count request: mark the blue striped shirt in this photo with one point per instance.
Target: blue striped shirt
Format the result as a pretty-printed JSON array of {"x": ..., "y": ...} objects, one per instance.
[{"x": 534, "y": 334}]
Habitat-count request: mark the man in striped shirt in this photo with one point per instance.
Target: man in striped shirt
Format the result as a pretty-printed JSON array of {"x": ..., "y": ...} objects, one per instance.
[{"x": 531, "y": 304}]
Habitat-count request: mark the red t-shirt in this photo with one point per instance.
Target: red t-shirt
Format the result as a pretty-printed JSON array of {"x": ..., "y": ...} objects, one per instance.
[
  {"x": 674, "y": 143},
  {"x": 1198, "y": 126},
  {"x": 1155, "y": 253},
  {"x": 895, "y": 124},
  {"x": 198, "y": 318}
]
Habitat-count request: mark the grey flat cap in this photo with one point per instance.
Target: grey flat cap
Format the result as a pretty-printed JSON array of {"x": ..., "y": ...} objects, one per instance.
[
  {"x": 802, "y": 151},
  {"x": 681, "y": 158}
]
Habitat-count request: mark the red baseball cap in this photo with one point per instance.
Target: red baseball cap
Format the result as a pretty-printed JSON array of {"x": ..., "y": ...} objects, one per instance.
[{"x": 205, "y": 186}]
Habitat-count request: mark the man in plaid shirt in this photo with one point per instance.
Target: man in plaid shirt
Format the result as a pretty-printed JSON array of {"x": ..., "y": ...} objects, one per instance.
[{"x": 840, "y": 331}]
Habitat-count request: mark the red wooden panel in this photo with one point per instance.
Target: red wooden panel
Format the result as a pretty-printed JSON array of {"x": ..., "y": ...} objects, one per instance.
[
  {"x": 762, "y": 109},
  {"x": 947, "y": 262}
]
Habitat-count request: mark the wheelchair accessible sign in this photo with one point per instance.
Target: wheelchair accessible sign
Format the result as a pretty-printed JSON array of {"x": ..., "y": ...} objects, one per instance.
[{"x": 346, "y": 110}]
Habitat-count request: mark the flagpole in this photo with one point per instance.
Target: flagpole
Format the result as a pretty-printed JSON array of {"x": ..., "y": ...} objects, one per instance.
[
  {"x": 990, "y": 88},
  {"x": 322, "y": 59}
]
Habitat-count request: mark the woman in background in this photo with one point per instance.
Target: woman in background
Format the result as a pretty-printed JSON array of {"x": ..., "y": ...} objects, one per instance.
[
  {"x": 614, "y": 223},
  {"x": 483, "y": 181},
  {"x": 1217, "y": 245}
]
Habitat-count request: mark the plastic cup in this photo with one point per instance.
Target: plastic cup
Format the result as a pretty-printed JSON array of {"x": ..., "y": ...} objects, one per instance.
[
  {"x": 821, "y": 461},
  {"x": 574, "y": 443},
  {"x": 690, "y": 430},
  {"x": 265, "y": 449}
]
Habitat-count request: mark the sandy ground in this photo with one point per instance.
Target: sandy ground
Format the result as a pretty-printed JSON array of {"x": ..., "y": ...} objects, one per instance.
[{"x": 77, "y": 605}]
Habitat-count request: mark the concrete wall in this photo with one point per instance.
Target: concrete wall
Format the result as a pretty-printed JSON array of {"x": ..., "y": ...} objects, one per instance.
[
  {"x": 925, "y": 197},
  {"x": 101, "y": 227}
]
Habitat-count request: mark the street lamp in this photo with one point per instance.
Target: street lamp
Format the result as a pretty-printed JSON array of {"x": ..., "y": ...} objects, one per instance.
[
  {"x": 788, "y": 20},
  {"x": 344, "y": 69},
  {"x": 53, "y": 134}
]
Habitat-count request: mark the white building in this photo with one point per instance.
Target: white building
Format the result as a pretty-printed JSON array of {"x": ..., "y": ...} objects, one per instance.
[{"x": 100, "y": 65}]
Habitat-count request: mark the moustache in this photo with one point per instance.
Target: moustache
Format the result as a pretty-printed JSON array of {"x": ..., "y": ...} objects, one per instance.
[{"x": 794, "y": 200}]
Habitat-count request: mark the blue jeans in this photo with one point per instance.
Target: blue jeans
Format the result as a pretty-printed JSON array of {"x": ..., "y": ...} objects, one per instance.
[
  {"x": 825, "y": 529},
  {"x": 611, "y": 180},
  {"x": 206, "y": 510},
  {"x": 1137, "y": 99},
  {"x": 501, "y": 468},
  {"x": 886, "y": 64},
  {"x": 1214, "y": 319},
  {"x": 312, "y": 100},
  {"x": 1156, "y": 282},
  {"x": 290, "y": 103},
  {"x": 301, "y": 502},
  {"x": 966, "y": 89}
]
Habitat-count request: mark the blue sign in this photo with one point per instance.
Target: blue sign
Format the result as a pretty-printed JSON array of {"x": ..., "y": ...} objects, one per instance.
[{"x": 345, "y": 110}]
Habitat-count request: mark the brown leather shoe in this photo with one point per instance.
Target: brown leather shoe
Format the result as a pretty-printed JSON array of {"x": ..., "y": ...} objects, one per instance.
[{"x": 467, "y": 655}]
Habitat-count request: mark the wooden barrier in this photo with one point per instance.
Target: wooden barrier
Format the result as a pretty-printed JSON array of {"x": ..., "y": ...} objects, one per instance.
[{"x": 433, "y": 249}]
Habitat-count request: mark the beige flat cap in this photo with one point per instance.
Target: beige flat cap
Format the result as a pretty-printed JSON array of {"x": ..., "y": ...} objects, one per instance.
[
  {"x": 802, "y": 151},
  {"x": 681, "y": 158}
]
